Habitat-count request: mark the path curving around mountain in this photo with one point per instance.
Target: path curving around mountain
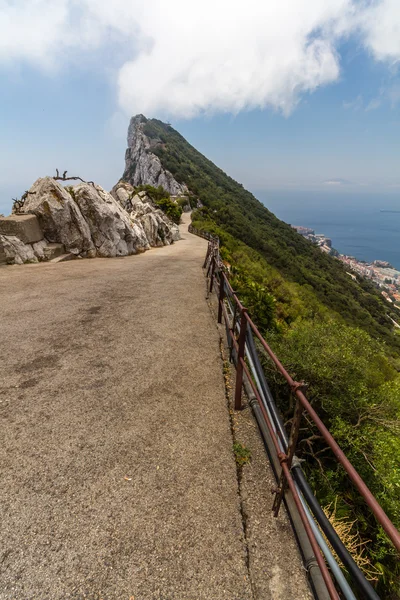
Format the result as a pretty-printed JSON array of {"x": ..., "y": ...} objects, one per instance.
[{"x": 117, "y": 476}]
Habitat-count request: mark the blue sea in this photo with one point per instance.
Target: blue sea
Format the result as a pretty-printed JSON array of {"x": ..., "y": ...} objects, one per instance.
[{"x": 354, "y": 222}]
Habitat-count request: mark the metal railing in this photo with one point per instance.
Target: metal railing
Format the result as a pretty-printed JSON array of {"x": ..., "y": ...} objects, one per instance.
[
  {"x": 203, "y": 234},
  {"x": 241, "y": 335}
]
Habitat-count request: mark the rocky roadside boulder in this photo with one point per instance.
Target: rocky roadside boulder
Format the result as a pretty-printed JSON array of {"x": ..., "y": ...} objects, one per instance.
[
  {"x": 159, "y": 229},
  {"x": 24, "y": 227},
  {"x": 39, "y": 249},
  {"x": 85, "y": 221},
  {"x": 123, "y": 193},
  {"x": 172, "y": 228},
  {"x": 59, "y": 216},
  {"x": 111, "y": 229},
  {"x": 14, "y": 251}
]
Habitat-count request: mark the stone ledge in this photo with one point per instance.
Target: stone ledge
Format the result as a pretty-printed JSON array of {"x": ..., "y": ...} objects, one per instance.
[{"x": 24, "y": 227}]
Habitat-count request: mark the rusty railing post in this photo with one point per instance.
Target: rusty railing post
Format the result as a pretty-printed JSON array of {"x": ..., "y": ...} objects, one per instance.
[
  {"x": 211, "y": 258},
  {"x": 232, "y": 330},
  {"x": 213, "y": 263},
  {"x": 207, "y": 255},
  {"x": 294, "y": 436},
  {"x": 239, "y": 366},
  {"x": 221, "y": 295}
]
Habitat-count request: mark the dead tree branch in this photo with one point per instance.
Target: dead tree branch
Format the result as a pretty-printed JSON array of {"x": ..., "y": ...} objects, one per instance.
[
  {"x": 18, "y": 203},
  {"x": 64, "y": 177}
]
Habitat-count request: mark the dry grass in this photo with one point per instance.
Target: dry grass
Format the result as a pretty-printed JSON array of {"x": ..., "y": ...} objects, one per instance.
[{"x": 348, "y": 533}]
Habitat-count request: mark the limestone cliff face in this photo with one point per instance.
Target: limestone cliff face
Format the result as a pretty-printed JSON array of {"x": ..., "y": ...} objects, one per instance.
[{"x": 142, "y": 166}]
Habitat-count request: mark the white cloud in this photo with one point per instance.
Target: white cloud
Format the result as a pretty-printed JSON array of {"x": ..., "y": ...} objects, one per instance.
[
  {"x": 380, "y": 23},
  {"x": 186, "y": 58},
  {"x": 29, "y": 29},
  {"x": 227, "y": 56},
  {"x": 337, "y": 182}
]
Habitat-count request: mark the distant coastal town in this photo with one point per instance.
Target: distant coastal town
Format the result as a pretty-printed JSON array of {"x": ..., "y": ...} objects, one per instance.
[{"x": 380, "y": 272}]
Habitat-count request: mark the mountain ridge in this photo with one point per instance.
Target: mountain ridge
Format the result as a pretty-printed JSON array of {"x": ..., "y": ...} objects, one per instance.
[{"x": 167, "y": 156}]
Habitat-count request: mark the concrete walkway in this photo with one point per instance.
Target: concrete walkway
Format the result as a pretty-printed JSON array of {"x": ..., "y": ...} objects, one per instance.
[{"x": 117, "y": 477}]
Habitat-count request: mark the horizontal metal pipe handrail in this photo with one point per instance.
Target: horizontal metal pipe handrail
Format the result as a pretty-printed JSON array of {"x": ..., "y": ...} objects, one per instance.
[
  {"x": 357, "y": 575},
  {"x": 354, "y": 571},
  {"x": 282, "y": 458},
  {"x": 280, "y": 431},
  {"x": 362, "y": 487},
  {"x": 269, "y": 403}
]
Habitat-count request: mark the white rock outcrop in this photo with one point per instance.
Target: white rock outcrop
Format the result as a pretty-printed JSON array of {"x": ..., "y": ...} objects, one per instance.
[
  {"x": 112, "y": 231},
  {"x": 59, "y": 216},
  {"x": 142, "y": 166},
  {"x": 88, "y": 221},
  {"x": 38, "y": 249},
  {"x": 14, "y": 251},
  {"x": 159, "y": 229},
  {"x": 123, "y": 194}
]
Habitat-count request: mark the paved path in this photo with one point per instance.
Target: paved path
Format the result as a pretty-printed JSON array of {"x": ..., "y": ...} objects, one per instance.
[{"x": 117, "y": 478}]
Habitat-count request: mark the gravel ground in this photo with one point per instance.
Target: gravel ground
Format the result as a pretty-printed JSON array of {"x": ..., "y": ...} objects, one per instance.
[{"x": 117, "y": 477}]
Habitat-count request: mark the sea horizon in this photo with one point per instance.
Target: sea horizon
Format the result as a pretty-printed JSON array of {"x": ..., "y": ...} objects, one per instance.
[{"x": 353, "y": 221}]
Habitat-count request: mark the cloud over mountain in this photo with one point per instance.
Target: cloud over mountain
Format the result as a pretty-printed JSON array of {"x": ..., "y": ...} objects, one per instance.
[{"x": 187, "y": 58}]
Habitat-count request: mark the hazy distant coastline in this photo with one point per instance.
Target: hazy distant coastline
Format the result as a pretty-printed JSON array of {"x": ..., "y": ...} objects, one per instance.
[{"x": 355, "y": 223}]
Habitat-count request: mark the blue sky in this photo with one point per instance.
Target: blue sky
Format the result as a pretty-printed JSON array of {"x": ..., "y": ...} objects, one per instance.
[{"x": 329, "y": 122}]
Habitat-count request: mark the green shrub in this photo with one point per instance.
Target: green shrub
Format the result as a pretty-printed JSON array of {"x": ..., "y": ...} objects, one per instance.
[
  {"x": 155, "y": 193},
  {"x": 183, "y": 201},
  {"x": 171, "y": 209}
]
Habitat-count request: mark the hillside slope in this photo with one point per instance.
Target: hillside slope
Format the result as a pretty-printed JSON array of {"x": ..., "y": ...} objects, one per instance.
[{"x": 241, "y": 215}]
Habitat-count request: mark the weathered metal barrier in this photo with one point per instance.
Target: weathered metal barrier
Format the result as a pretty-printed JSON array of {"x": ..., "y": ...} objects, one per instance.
[{"x": 241, "y": 334}]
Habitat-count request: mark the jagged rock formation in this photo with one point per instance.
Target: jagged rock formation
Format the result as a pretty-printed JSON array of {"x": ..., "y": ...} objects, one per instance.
[
  {"x": 14, "y": 251},
  {"x": 142, "y": 166},
  {"x": 111, "y": 230},
  {"x": 158, "y": 228},
  {"x": 85, "y": 221},
  {"x": 59, "y": 216}
]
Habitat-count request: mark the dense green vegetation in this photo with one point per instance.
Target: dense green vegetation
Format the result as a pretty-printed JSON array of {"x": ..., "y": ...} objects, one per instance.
[
  {"x": 155, "y": 193},
  {"x": 172, "y": 210},
  {"x": 162, "y": 199},
  {"x": 330, "y": 331},
  {"x": 356, "y": 391}
]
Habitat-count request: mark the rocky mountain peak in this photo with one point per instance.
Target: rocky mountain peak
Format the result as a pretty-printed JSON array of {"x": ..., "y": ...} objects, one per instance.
[{"x": 142, "y": 165}]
